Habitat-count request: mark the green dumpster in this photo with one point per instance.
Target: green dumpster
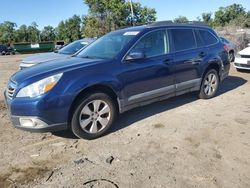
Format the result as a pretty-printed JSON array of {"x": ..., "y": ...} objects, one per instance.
[{"x": 24, "y": 48}]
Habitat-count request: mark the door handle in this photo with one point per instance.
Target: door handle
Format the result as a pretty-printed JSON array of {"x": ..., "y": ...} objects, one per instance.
[{"x": 168, "y": 61}]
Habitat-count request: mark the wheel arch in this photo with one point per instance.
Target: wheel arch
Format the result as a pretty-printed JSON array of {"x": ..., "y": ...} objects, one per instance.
[
  {"x": 94, "y": 89},
  {"x": 213, "y": 65}
]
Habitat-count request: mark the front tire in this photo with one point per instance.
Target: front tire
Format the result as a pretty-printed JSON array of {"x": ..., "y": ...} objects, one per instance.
[
  {"x": 93, "y": 116},
  {"x": 209, "y": 85}
]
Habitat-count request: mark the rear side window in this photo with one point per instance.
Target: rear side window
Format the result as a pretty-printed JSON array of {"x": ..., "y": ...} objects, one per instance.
[
  {"x": 153, "y": 44},
  {"x": 183, "y": 39},
  {"x": 199, "y": 40},
  {"x": 207, "y": 37}
]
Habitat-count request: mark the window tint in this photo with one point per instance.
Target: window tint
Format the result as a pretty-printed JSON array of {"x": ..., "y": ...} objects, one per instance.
[
  {"x": 153, "y": 44},
  {"x": 207, "y": 37},
  {"x": 183, "y": 39},
  {"x": 199, "y": 40}
]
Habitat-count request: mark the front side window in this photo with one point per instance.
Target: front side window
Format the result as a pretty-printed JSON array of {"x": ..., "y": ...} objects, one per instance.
[
  {"x": 207, "y": 37},
  {"x": 183, "y": 39},
  {"x": 153, "y": 44}
]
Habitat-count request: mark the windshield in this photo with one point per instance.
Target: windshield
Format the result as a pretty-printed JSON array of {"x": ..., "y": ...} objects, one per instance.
[
  {"x": 72, "y": 48},
  {"x": 108, "y": 46}
]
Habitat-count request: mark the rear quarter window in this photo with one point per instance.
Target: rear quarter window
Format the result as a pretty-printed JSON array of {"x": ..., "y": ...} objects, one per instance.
[
  {"x": 183, "y": 39},
  {"x": 207, "y": 37}
]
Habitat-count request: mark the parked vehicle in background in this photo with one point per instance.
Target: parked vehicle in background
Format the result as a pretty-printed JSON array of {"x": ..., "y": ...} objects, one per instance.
[
  {"x": 59, "y": 45},
  {"x": 242, "y": 60},
  {"x": 6, "y": 50},
  {"x": 231, "y": 48},
  {"x": 62, "y": 53},
  {"x": 122, "y": 70}
]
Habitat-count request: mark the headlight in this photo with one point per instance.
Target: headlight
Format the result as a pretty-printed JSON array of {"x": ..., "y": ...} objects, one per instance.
[{"x": 40, "y": 87}]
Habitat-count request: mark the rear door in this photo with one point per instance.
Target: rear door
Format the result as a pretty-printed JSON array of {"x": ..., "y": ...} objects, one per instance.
[{"x": 188, "y": 56}]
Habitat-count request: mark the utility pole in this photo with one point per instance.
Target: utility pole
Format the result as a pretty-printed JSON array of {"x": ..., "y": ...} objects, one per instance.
[{"x": 132, "y": 11}]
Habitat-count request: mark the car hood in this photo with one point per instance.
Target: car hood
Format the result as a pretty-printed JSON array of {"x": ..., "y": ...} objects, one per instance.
[
  {"x": 245, "y": 51},
  {"x": 44, "y": 57},
  {"x": 43, "y": 70}
]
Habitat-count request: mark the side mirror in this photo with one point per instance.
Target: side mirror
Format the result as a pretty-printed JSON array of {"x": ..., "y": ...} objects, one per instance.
[{"x": 135, "y": 55}]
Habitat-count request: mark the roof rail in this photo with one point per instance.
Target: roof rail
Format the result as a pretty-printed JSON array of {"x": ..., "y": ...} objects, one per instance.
[
  {"x": 169, "y": 22},
  {"x": 161, "y": 23},
  {"x": 197, "y": 23}
]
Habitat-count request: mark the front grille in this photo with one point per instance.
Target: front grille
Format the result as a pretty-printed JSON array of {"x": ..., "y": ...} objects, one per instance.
[
  {"x": 11, "y": 88},
  {"x": 245, "y": 56},
  {"x": 242, "y": 65}
]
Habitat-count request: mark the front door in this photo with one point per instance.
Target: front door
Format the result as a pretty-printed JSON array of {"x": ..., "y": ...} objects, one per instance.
[{"x": 152, "y": 76}]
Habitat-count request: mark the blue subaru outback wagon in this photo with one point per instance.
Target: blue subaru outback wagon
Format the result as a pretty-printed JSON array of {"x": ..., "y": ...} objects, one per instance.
[{"x": 122, "y": 70}]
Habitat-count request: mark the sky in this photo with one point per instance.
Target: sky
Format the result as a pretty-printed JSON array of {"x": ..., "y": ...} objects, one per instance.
[{"x": 51, "y": 12}]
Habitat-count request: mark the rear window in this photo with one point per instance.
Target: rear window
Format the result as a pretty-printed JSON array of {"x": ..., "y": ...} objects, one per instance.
[
  {"x": 207, "y": 37},
  {"x": 183, "y": 39}
]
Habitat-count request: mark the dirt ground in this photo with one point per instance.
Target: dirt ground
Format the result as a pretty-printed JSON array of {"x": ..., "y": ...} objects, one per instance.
[{"x": 181, "y": 142}]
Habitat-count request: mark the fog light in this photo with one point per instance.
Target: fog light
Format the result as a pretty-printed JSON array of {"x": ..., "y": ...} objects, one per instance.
[
  {"x": 31, "y": 122},
  {"x": 25, "y": 122}
]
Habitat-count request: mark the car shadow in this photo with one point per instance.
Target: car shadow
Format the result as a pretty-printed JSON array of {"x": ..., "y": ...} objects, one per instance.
[
  {"x": 137, "y": 114},
  {"x": 231, "y": 83}
]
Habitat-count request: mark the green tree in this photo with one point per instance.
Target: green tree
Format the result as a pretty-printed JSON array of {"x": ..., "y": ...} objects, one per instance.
[
  {"x": 21, "y": 34},
  {"x": 207, "y": 17},
  {"x": 107, "y": 15},
  {"x": 33, "y": 33},
  {"x": 181, "y": 19},
  {"x": 226, "y": 14},
  {"x": 73, "y": 28},
  {"x": 69, "y": 30},
  {"x": 7, "y": 32},
  {"x": 60, "y": 31},
  {"x": 48, "y": 34}
]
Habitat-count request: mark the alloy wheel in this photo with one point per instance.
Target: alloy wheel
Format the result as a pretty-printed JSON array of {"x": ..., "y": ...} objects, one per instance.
[
  {"x": 210, "y": 84},
  {"x": 94, "y": 116}
]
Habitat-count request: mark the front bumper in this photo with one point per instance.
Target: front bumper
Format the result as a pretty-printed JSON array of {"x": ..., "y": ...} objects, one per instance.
[
  {"x": 36, "y": 124},
  {"x": 37, "y": 115},
  {"x": 242, "y": 63}
]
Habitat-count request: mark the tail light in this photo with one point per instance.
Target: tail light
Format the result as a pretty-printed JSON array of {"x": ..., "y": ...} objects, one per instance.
[{"x": 226, "y": 47}]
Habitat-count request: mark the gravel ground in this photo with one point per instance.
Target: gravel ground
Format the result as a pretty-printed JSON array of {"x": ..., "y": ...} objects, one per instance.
[{"x": 180, "y": 142}]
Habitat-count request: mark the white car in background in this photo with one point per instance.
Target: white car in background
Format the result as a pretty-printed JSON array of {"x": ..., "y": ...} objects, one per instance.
[{"x": 242, "y": 59}]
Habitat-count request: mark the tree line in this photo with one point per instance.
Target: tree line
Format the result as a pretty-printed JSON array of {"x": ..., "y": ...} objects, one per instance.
[
  {"x": 103, "y": 16},
  {"x": 108, "y": 15},
  {"x": 233, "y": 15}
]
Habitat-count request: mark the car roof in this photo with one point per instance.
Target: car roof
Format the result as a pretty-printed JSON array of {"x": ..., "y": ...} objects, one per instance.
[{"x": 165, "y": 24}]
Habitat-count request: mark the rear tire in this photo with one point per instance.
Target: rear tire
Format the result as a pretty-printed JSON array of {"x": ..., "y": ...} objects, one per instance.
[
  {"x": 209, "y": 85},
  {"x": 93, "y": 116},
  {"x": 231, "y": 56}
]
